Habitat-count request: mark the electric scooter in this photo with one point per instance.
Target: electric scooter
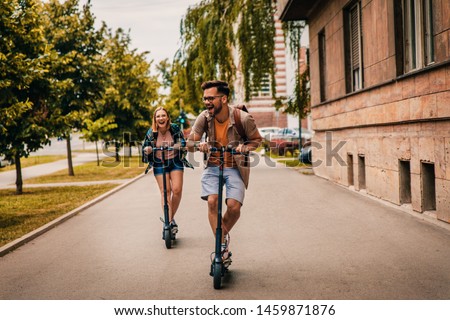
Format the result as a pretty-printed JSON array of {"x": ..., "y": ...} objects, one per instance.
[
  {"x": 218, "y": 268},
  {"x": 167, "y": 234}
]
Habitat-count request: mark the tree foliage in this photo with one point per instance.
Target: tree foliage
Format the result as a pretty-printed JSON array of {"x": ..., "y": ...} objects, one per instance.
[
  {"x": 58, "y": 73},
  {"x": 299, "y": 103},
  {"x": 78, "y": 69},
  {"x": 25, "y": 84},
  {"x": 221, "y": 38},
  {"x": 132, "y": 92}
]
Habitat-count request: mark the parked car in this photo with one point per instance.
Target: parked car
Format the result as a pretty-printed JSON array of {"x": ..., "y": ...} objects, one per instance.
[
  {"x": 3, "y": 162},
  {"x": 306, "y": 134},
  {"x": 267, "y": 132},
  {"x": 287, "y": 133},
  {"x": 305, "y": 155},
  {"x": 293, "y": 133}
]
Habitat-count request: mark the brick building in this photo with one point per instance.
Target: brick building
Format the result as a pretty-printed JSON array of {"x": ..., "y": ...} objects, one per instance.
[
  {"x": 380, "y": 95},
  {"x": 261, "y": 105}
]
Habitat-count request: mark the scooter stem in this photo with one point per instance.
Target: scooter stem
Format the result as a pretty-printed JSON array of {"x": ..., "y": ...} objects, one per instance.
[
  {"x": 166, "y": 206},
  {"x": 218, "y": 256}
]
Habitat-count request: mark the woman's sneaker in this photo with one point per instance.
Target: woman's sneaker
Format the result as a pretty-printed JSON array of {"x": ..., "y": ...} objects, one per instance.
[
  {"x": 226, "y": 258},
  {"x": 173, "y": 225}
]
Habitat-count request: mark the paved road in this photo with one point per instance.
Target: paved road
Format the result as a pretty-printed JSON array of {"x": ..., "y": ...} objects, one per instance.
[
  {"x": 299, "y": 237},
  {"x": 8, "y": 178}
]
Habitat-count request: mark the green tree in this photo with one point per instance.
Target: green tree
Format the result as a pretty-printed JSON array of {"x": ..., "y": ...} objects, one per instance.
[
  {"x": 174, "y": 102},
  {"x": 95, "y": 130},
  {"x": 213, "y": 33},
  {"x": 78, "y": 69},
  {"x": 299, "y": 103},
  {"x": 132, "y": 92},
  {"x": 25, "y": 58}
]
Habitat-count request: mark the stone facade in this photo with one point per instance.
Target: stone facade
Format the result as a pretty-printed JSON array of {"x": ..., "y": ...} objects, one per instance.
[{"x": 391, "y": 138}]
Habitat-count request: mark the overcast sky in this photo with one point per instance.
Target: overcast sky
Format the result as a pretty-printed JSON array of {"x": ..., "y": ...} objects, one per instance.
[{"x": 154, "y": 24}]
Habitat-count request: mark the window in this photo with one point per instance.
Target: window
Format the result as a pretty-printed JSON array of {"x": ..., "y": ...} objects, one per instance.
[
  {"x": 353, "y": 47},
  {"x": 428, "y": 187},
  {"x": 405, "y": 181},
  {"x": 362, "y": 171},
  {"x": 350, "y": 169},
  {"x": 264, "y": 91},
  {"x": 322, "y": 64},
  {"x": 418, "y": 41}
]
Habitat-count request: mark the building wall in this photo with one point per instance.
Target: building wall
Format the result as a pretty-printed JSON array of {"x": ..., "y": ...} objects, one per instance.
[
  {"x": 262, "y": 107},
  {"x": 392, "y": 118}
]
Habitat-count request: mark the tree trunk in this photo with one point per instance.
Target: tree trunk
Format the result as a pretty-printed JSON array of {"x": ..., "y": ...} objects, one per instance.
[
  {"x": 19, "y": 182},
  {"x": 69, "y": 155},
  {"x": 96, "y": 150},
  {"x": 300, "y": 142},
  {"x": 117, "y": 151}
]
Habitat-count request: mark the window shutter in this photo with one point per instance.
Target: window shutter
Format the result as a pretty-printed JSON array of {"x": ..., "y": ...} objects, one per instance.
[{"x": 354, "y": 21}]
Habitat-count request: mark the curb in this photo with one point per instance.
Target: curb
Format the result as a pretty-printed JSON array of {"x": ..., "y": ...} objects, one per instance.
[{"x": 50, "y": 225}]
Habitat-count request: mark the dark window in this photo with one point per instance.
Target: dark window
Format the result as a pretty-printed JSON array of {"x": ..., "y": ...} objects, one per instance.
[
  {"x": 353, "y": 47},
  {"x": 322, "y": 65},
  {"x": 405, "y": 181},
  {"x": 264, "y": 90},
  {"x": 362, "y": 171},
  {"x": 428, "y": 187},
  {"x": 350, "y": 169}
]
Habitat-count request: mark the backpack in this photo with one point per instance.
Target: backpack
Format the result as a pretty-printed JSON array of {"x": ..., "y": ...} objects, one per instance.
[{"x": 238, "y": 122}]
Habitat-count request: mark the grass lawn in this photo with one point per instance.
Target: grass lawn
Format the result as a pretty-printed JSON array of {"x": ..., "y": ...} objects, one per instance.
[
  {"x": 288, "y": 154},
  {"x": 20, "y": 214},
  {"x": 34, "y": 160},
  {"x": 292, "y": 163},
  {"x": 109, "y": 169}
]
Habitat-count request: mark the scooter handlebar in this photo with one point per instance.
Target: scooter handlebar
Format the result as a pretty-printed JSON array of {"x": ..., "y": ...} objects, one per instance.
[
  {"x": 225, "y": 149},
  {"x": 195, "y": 146}
]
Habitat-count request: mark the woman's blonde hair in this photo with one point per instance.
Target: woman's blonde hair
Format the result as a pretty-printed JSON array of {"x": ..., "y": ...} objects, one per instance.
[{"x": 154, "y": 125}]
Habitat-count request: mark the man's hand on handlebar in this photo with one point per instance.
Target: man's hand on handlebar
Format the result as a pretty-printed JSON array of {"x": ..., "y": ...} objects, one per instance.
[
  {"x": 241, "y": 148},
  {"x": 203, "y": 147}
]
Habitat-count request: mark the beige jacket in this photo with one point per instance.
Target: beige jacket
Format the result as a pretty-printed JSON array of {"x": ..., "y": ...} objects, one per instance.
[{"x": 205, "y": 122}]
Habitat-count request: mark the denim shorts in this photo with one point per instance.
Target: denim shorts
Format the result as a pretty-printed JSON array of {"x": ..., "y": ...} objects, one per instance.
[
  {"x": 235, "y": 188},
  {"x": 171, "y": 165}
]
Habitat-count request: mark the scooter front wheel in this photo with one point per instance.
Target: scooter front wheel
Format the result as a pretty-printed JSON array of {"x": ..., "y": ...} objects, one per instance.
[
  {"x": 168, "y": 238},
  {"x": 217, "y": 274}
]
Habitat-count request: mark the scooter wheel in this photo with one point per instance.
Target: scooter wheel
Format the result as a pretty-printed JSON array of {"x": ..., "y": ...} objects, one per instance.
[
  {"x": 168, "y": 238},
  {"x": 217, "y": 274}
]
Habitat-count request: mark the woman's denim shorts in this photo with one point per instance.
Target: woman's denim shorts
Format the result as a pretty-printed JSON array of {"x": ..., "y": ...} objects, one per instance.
[{"x": 170, "y": 165}]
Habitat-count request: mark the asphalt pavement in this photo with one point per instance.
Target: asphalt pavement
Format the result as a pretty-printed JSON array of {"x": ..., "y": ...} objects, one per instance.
[{"x": 299, "y": 237}]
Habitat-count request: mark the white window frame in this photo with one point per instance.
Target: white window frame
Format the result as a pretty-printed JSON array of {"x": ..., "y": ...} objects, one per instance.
[{"x": 418, "y": 34}]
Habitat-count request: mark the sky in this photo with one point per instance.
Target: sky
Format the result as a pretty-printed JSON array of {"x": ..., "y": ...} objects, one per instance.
[{"x": 154, "y": 25}]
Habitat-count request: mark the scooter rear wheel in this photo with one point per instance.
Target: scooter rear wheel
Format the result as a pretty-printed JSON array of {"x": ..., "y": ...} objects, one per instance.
[
  {"x": 217, "y": 274},
  {"x": 168, "y": 238}
]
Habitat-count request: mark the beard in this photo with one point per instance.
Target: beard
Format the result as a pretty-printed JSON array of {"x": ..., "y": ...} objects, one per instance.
[{"x": 218, "y": 108}]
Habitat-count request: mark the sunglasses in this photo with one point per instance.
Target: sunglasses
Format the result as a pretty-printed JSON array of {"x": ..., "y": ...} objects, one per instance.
[{"x": 211, "y": 98}]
